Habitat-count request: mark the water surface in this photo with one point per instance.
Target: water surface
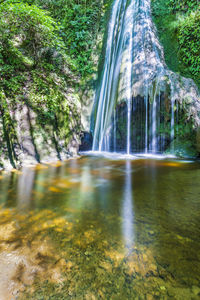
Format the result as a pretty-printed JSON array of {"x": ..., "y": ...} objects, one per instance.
[{"x": 100, "y": 228}]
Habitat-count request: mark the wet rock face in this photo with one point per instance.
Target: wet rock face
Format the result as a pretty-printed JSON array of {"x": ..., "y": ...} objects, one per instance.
[
  {"x": 86, "y": 141},
  {"x": 34, "y": 140},
  {"x": 137, "y": 124}
]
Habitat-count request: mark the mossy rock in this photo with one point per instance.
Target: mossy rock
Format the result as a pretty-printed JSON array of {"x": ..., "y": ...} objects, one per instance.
[{"x": 182, "y": 148}]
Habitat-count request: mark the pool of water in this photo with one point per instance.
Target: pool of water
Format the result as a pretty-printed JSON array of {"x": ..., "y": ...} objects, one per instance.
[{"x": 101, "y": 228}]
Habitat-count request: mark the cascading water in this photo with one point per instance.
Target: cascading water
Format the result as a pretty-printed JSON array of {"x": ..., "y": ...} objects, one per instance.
[{"x": 134, "y": 108}]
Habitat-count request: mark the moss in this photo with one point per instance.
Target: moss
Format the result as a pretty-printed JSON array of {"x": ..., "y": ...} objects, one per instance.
[
  {"x": 168, "y": 38},
  {"x": 178, "y": 26}
]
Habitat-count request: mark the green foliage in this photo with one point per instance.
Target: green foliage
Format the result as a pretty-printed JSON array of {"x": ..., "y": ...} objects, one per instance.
[
  {"x": 189, "y": 41},
  {"x": 49, "y": 103},
  {"x": 163, "y": 7},
  {"x": 79, "y": 22},
  {"x": 34, "y": 72},
  {"x": 178, "y": 23},
  {"x": 79, "y": 26},
  {"x": 7, "y": 121},
  {"x": 184, "y": 144},
  {"x": 184, "y": 6},
  {"x": 160, "y": 7},
  {"x": 46, "y": 51},
  {"x": 68, "y": 25},
  {"x": 26, "y": 31}
]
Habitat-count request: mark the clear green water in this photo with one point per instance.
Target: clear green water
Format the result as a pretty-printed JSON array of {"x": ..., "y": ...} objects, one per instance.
[{"x": 94, "y": 228}]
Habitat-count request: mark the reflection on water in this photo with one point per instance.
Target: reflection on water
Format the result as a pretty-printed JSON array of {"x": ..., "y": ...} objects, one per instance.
[
  {"x": 25, "y": 187},
  {"x": 127, "y": 208},
  {"x": 96, "y": 228}
]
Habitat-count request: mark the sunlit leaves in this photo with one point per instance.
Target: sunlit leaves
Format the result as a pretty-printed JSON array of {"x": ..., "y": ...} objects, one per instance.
[
  {"x": 178, "y": 23},
  {"x": 26, "y": 30},
  {"x": 189, "y": 39}
]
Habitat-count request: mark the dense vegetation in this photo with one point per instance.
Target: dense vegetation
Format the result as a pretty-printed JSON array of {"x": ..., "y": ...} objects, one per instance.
[
  {"x": 77, "y": 24},
  {"x": 46, "y": 51},
  {"x": 178, "y": 23}
]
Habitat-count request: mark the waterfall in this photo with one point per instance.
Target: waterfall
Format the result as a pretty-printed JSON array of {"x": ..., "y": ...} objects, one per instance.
[
  {"x": 134, "y": 109},
  {"x": 154, "y": 144},
  {"x": 107, "y": 88}
]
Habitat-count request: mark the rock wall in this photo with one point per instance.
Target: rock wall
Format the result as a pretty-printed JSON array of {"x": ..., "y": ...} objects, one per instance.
[{"x": 26, "y": 140}]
